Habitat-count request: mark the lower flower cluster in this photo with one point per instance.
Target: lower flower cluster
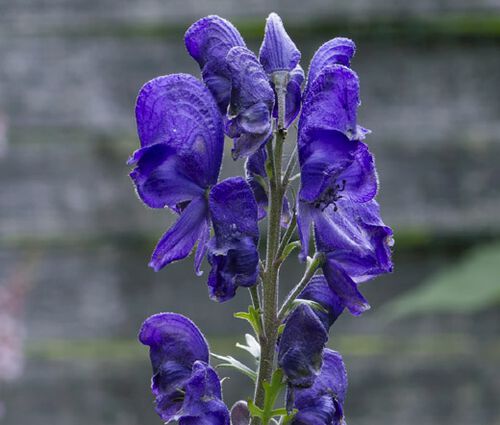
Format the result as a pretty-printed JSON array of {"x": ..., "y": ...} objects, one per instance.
[{"x": 182, "y": 122}]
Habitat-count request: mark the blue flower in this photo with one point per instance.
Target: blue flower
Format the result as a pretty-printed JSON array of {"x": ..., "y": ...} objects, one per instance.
[
  {"x": 180, "y": 129},
  {"x": 232, "y": 252},
  {"x": 251, "y": 105},
  {"x": 323, "y": 402},
  {"x": 185, "y": 387},
  {"x": 208, "y": 41},
  {"x": 339, "y": 181},
  {"x": 301, "y": 345}
]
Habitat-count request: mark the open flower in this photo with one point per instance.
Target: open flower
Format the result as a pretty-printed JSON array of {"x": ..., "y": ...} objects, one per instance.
[
  {"x": 338, "y": 186},
  {"x": 322, "y": 403},
  {"x": 208, "y": 41},
  {"x": 181, "y": 135},
  {"x": 232, "y": 252},
  {"x": 279, "y": 54},
  {"x": 180, "y": 130},
  {"x": 186, "y": 388},
  {"x": 301, "y": 346}
]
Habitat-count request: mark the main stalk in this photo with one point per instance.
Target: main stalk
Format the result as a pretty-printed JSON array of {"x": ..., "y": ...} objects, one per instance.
[{"x": 270, "y": 279}]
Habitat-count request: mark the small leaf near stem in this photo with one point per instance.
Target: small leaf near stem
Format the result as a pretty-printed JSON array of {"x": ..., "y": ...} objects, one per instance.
[
  {"x": 288, "y": 235},
  {"x": 252, "y": 317},
  {"x": 313, "y": 265},
  {"x": 235, "y": 364}
]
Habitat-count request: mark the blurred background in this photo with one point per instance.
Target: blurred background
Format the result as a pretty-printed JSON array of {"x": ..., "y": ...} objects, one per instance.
[{"x": 75, "y": 241}]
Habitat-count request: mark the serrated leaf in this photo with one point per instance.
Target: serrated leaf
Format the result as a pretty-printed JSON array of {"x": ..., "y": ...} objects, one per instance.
[
  {"x": 235, "y": 364},
  {"x": 469, "y": 286}
]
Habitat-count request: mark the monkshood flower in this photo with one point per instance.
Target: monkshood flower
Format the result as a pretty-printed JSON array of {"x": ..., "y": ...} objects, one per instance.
[
  {"x": 301, "y": 345},
  {"x": 185, "y": 387},
  {"x": 232, "y": 252},
  {"x": 252, "y": 102},
  {"x": 338, "y": 184},
  {"x": 280, "y": 58},
  {"x": 236, "y": 79},
  {"x": 322, "y": 403},
  {"x": 300, "y": 357},
  {"x": 180, "y": 130},
  {"x": 208, "y": 41}
]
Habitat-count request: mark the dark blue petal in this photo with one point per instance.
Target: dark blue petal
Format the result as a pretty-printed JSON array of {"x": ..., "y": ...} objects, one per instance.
[
  {"x": 252, "y": 101},
  {"x": 322, "y": 403},
  {"x": 301, "y": 346},
  {"x": 278, "y": 52},
  {"x": 208, "y": 41},
  {"x": 175, "y": 345},
  {"x": 178, "y": 110},
  {"x": 161, "y": 177},
  {"x": 319, "y": 290},
  {"x": 331, "y": 102},
  {"x": 180, "y": 239},
  {"x": 203, "y": 403},
  {"x": 234, "y": 264},
  {"x": 356, "y": 238},
  {"x": 344, "y": 287},
  {"x": 339, "y": 51},
  {"x": 233, "y": 250}
]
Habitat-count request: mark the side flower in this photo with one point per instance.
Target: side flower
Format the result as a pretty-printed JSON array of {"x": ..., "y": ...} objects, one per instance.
[
  {"x": 338, "y": 186},
  {"x": 181, "y": 135},
  {"x": 185, "y": 386}
]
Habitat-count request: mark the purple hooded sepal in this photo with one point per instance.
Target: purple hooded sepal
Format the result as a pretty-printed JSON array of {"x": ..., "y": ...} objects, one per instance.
[
  {"x": 338, "y": 51},
  {"x": 208, "y": 41},
  {"x": 184, "y": 385},
  {"x": 318, "y": 290},
  {"x": 232, "y": 252},
  {"x": 331, "y": 102},
  {"x": 301, "y": 346},
  {"x": 252, "y": 102},
  {"x": 178, "y": 110},
  {"x": 322, "y": 403}
]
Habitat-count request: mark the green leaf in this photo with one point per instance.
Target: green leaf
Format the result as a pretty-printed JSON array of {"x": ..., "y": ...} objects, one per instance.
[
  {"x": 288, "y": 250},
  {"x": 252, "y": 347},
  {"x": 235, "y": 364},
  {"x": 313, "y": 304},
  {"x": 255, "y": 411},
  {"x": 252, "y": 317},
  {"x": 469, "y": 286}
]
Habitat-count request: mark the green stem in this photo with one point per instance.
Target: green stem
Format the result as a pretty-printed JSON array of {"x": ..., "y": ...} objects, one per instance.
[
  {"x": 271, "y": 272},
  {"x": 309, "y": 273},
  {"x": 288, "y": 235}
]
